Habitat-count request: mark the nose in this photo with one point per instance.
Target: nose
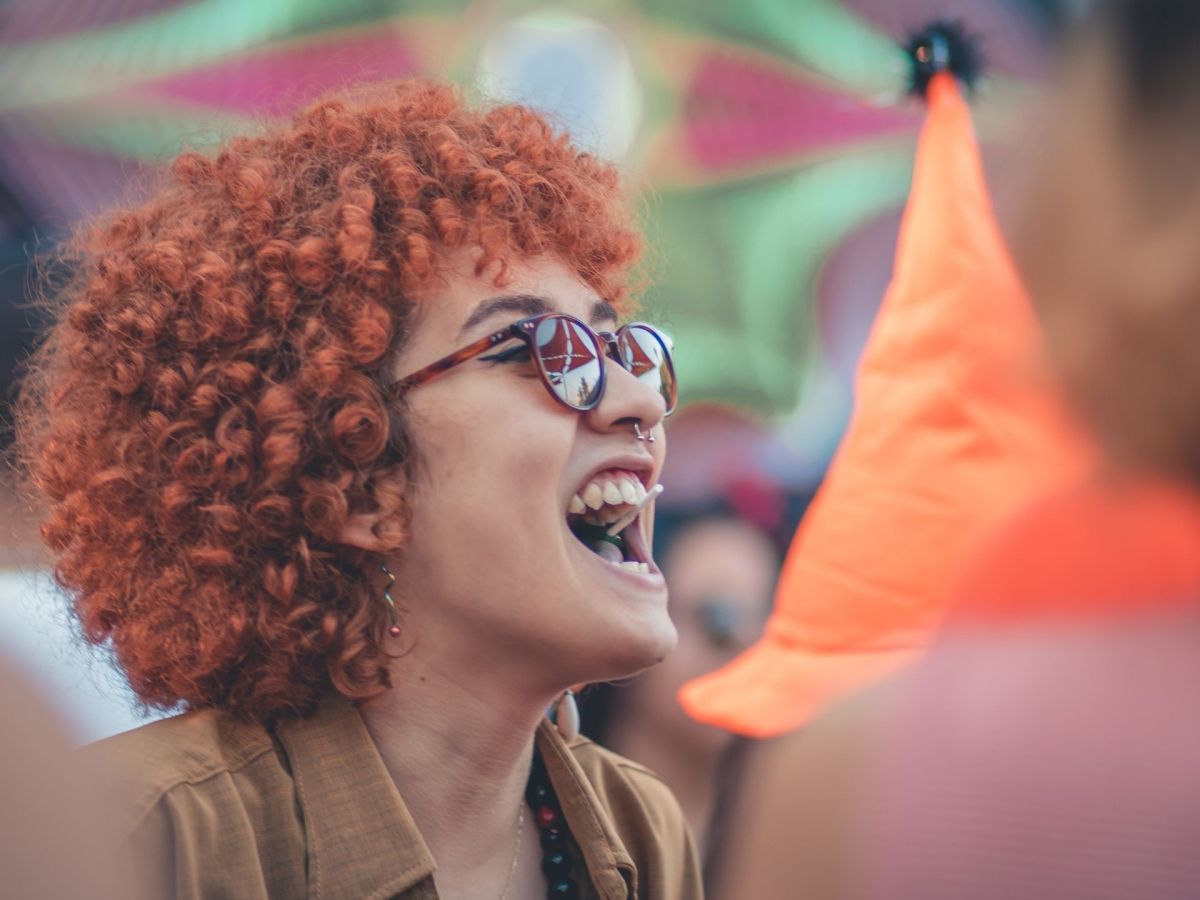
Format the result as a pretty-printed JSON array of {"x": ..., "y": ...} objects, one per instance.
[{"x": 626, "y": 402}]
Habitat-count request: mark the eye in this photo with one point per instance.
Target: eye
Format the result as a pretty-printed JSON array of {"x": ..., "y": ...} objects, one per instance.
[{"x": 519, "y": 353}]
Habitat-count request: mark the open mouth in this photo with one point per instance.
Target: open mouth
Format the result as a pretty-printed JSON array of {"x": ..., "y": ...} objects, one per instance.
[{"x": 608, "y": 498}]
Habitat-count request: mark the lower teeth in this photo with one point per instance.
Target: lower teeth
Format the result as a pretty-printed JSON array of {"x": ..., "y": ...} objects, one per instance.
[
  {"x": 611, "y": 553},
  {"x": 611, "y": 550}
]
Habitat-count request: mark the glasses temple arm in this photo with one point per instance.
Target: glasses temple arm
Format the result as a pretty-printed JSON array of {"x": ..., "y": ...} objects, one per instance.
[{"x": 461, "y": 355}]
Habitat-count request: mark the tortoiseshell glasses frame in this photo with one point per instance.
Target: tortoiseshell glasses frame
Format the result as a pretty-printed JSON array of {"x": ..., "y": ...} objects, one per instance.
[{"x": 569, "y": 357}]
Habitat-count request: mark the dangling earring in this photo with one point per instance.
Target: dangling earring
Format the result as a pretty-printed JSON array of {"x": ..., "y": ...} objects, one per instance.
[
  {"x": 566, "y": 715},
  {"x": 394, "y": 631}
]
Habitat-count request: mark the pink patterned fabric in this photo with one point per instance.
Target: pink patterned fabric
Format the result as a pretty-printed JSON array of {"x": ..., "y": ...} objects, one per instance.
[
  {"x": 276, "y": 81},
  {"x": 740, "y": 112},
  {"x": 37, "y": 20}
]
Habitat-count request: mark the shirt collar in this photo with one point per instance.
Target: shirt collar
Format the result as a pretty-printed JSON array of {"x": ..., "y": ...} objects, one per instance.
[
  {"x": 362, "y": 840},
  {"x": 610, "y": 867}
]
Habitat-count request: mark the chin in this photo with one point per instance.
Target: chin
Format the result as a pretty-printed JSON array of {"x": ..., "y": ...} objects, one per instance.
[{"x": 633, "y": 648}]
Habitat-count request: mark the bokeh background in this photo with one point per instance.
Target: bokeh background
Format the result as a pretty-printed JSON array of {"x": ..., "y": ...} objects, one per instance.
[{"x": 772, "y": 142}]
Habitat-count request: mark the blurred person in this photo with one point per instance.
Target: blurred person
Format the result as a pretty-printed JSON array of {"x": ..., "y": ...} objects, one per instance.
[
  {"x": 1047, "y": 745},
  {"x": 721, "y": 571},
  {"x": 333, "y": 430},
  {"x": 53, "y": 841}
]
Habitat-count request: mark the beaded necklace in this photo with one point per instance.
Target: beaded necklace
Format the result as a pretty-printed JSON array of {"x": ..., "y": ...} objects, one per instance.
[{"x": 553, "y": 833}]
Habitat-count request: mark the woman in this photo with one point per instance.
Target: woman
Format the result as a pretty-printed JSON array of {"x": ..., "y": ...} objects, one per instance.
[
  {"x": 1046, "y": 747},
  {"x": 332, "y": 450}
]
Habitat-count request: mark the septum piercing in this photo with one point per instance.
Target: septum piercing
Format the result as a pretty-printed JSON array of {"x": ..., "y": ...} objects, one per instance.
[
  {"x": 618, "y": 526},
  {"x": 637, "y": 433}
]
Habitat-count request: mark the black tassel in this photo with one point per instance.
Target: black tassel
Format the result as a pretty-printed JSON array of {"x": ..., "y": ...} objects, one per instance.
[{"x": 943, "y": 46}]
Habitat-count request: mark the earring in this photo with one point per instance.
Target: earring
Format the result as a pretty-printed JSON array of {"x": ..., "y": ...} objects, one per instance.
[
  {"x": 394, "y": 631},
  {"x": 566, "y": 716}
]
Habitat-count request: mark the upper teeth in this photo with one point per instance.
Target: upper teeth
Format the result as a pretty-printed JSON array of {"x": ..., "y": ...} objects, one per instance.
[{"x": 610, "y": 492}]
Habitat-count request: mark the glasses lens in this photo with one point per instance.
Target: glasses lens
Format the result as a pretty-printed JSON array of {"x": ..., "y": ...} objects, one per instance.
[
  {"x": 570, "y": 359},
  {"x": 644, "y": 352}
]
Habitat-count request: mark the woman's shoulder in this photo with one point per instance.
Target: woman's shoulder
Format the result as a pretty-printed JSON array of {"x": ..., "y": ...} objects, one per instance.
[
  {"x": 200, "y": 787},
  {"x": 145, "y": 765}
]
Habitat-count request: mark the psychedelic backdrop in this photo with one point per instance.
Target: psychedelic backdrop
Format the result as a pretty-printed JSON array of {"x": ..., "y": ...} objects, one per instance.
[{"x": 772, "y": 136}]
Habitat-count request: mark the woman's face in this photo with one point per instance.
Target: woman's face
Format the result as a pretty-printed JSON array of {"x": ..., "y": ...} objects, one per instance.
[{"x": 491, "y": 575}]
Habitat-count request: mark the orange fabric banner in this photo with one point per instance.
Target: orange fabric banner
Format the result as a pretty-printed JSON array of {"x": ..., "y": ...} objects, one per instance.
[{"x": 956, "y": 427}]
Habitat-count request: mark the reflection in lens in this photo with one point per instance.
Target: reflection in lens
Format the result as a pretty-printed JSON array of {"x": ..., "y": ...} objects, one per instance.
[
  {"x": 645, "y": 356},
  {"x": 571, "y": 360}
]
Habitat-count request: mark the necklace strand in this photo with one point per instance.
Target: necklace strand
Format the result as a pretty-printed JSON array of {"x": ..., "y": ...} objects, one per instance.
[{"x": 512, "y": 869}]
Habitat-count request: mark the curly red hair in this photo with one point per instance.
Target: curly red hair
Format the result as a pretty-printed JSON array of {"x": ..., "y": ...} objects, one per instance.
[{"x": 207, "y": 408}]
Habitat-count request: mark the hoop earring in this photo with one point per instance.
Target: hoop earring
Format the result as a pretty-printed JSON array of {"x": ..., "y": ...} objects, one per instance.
[
  {"x": 394, "y": 630},
  {"x": 566, "y": 716}
]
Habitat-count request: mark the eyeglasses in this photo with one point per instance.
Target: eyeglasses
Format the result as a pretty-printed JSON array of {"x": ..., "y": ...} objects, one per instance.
[{"x": 570, "y": 358}]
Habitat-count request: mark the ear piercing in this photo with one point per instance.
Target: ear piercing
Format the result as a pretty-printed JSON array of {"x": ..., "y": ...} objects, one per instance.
[
  {"x": 394, "y": 630},
  {"x": 566, "y": 715}
]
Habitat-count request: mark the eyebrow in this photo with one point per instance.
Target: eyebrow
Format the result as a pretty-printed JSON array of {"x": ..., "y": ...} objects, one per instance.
[{"x": 529, "y": 305}]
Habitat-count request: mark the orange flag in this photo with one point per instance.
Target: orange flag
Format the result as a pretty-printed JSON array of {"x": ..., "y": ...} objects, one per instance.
[{"x": 956, "y": 427}]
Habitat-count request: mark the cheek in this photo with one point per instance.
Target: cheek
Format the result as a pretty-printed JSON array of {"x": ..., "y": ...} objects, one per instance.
[{"x": 490, "y": 474}]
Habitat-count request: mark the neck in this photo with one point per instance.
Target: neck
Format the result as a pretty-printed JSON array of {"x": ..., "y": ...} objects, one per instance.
[{"x": 459, "y": 753}]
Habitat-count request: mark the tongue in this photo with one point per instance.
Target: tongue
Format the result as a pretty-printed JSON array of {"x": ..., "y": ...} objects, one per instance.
[
  {"x": 599, "y": 542},
  {"x": 608, "y": 550}
]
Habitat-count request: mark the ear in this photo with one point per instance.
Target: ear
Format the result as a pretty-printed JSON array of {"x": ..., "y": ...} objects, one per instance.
[{"x": 359, "y": 531}]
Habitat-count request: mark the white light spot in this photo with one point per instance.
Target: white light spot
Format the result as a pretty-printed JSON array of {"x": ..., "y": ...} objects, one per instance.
[{"x": 572, "y": 69}]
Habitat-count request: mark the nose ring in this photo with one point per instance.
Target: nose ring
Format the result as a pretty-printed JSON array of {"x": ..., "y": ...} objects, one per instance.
[{"x": 637, "y": 433}]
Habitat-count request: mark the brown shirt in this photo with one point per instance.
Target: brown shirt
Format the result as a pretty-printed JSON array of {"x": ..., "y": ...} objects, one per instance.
[{"x": 308, "y": 809}]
